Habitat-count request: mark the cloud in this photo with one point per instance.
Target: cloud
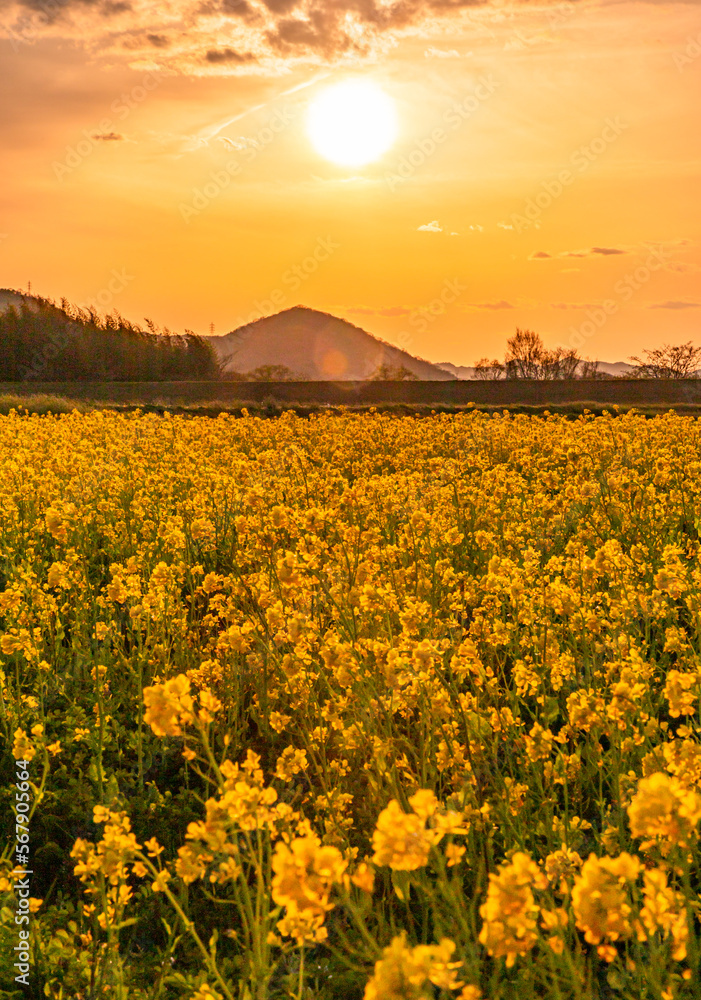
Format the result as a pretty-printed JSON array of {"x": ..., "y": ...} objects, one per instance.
[
  {"x": 607, "y": 251},
  {"x": 433, "y": 53},
  {"x": 228, "y": 56},
  {"x": 108, "y": 136},
  {"x": 205, "y": 37},
  {"x": 503, "y": 304},
  {"x": 504, "y": 225},
  {"x": 591, "y": 252},
  {"x": 675, "y": 304},
  {"x": 430, "y": 227},
  {"x": 241, "y": 143},
  {"x": 476, "y": 229}
]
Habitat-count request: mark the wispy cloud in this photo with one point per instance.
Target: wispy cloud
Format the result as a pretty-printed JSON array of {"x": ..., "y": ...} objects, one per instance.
[
  {"x": 675, "y": 304},
  {"x": 430, "y": 227},
  {"x": 590, "y": 252},
  {"x": 433, "y": 53}
]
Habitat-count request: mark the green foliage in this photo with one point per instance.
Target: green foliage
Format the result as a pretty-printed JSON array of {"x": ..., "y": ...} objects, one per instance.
[{"x": 40, "y": 341}]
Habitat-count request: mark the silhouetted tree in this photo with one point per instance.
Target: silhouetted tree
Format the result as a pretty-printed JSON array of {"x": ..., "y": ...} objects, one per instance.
[
  {"x": 528, "y": 358},
  {"x": 40, "y": 341},
  {"x": 489, "y": 370},
  {"x": 393, "y": 373},
  {"x": 680, "y": 361}
]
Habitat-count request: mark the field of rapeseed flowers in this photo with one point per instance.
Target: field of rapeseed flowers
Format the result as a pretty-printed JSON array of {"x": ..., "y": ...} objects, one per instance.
[{"x": 354, "y": 706}]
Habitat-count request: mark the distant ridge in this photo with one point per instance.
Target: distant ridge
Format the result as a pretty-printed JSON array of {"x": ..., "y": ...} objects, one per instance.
[{"x": 316, "y": 346}]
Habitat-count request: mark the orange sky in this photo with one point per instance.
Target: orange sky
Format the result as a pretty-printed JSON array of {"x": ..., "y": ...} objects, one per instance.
[{"x": 602, "y": 95}]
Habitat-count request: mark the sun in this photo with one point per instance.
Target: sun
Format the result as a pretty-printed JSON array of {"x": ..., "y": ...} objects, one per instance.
[{"x": 352, "y": 123}]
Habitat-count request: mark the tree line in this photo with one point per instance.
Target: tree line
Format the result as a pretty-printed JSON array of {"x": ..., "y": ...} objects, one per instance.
[
  {"x": 41, "y": 341},
  {"x": 527, "y": 357}
]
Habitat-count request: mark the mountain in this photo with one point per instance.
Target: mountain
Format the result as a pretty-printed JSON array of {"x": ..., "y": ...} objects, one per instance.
[
  {"x": 315, "y": 346},
  {"x": 612, "y": 368}
]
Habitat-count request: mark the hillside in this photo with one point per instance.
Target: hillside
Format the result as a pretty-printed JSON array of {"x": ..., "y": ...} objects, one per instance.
[{"x": 315, "y": 346}]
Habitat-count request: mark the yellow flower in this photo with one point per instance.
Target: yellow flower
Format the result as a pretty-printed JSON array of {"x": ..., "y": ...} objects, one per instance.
[
  {"x": 100, "y": 814},
  {"x": 168, "y": 705},
  {"x": 305, "y": 873},
  {"x": 191, "y": 865},
  {"x": 663, "y": 810},
  {"x": 510, "y": 911},
  {"x": 401, "y": 839},
  {"x": 206, "y": 992},
  {"x": 290, "y": 763},
  {"x": 562, "y": 865},
  {"x": 160, "y": 881},
  {"x": 55, "y": 524},
  {"x": 600, "y": 900},
  {"x": 209, "y": 705},
  {"x": 405, "y": 973},
  {"x": 10, "y": 644},
  {"x": 681, "y": 691},
  {"x": 664, "y": 910},
  {"x": 364, "y": 877},
  {"x": 22, "y": 749},
  {"x": 454, "y": 853},
  {"x": 153, "y": 848}
]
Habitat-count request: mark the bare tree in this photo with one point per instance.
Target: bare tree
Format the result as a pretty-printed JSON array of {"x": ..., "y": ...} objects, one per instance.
[
  {"x": 527, "y": 357},
  {"x": 524, "y": 355},
  {"x": 488, "y": 370},
  {"x": 669, "y": 361}
]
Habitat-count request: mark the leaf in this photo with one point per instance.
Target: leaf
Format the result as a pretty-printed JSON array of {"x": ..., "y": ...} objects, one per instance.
[{"x": 402, "y": 885}]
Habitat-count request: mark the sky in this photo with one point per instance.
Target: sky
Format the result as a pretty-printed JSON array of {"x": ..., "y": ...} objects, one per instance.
[{"x": 540, "y": 169}]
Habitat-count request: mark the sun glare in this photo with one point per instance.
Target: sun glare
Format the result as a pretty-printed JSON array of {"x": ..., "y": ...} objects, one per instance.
[{"x": 352, "y": 123}]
